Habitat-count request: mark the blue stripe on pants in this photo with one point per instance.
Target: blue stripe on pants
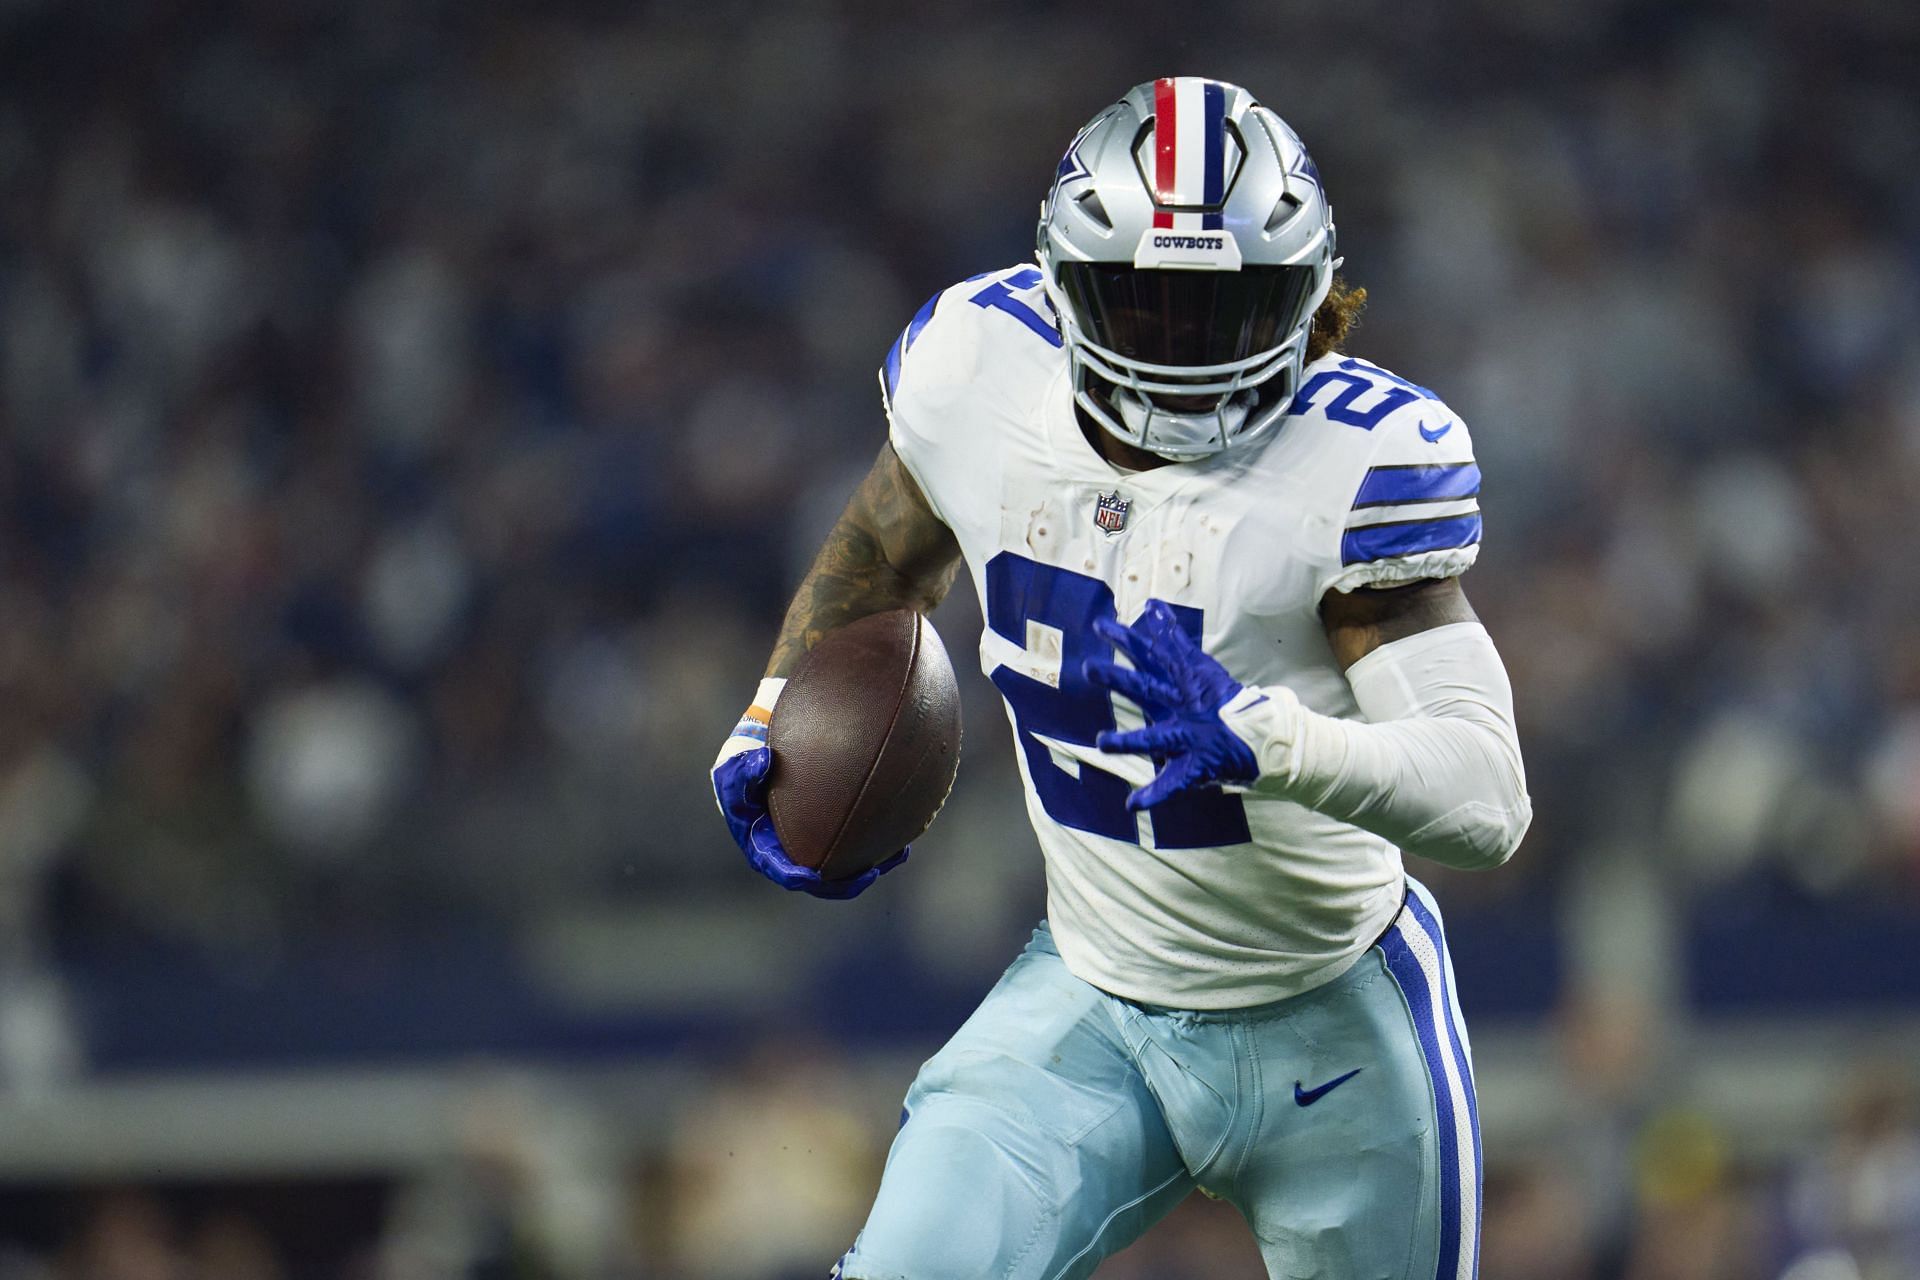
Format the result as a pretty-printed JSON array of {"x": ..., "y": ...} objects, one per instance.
[
  {"x": 1411, "y": 977},
  {"x": 1416, "y": 903}
]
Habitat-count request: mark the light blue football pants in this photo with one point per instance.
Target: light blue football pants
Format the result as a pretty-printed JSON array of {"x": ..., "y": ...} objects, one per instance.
[{"x": 1061, "y": 1122}]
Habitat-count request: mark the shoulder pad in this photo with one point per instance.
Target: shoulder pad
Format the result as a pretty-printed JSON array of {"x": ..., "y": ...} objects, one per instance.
[
  {"x": 1357, "y": 393},
  {"x": 956, "y": 326},
  {"x": 1413, "y": 510}
]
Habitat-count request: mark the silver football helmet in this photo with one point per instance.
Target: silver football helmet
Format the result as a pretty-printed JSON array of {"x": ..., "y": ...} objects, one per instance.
[{"x": 1186, "y": 244}]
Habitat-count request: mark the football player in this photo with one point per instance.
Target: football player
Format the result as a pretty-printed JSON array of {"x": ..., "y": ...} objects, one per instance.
[{"x": 1219, "y": 564}]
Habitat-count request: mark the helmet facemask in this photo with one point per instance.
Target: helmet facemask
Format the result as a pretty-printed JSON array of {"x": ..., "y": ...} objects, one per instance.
[{"x": 1150, "y": 347}]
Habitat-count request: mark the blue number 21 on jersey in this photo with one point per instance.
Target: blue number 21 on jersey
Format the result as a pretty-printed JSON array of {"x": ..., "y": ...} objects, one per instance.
[{"x": 1023, "y": 595}]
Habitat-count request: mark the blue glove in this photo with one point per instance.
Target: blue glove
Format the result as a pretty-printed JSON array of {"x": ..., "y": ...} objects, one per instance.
[
  {"x": 1181, "y": 689},
  {"x": 740, "y": 787}
]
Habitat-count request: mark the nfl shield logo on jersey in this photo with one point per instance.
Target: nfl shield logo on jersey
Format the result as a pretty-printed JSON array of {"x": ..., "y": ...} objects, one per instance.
[{"x": 1110, "y": 512}]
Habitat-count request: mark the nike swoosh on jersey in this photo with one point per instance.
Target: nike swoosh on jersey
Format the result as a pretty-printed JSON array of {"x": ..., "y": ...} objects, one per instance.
[
  {"x": 1307, "y": 1097},
  {"x": 1431, "y": 436}
]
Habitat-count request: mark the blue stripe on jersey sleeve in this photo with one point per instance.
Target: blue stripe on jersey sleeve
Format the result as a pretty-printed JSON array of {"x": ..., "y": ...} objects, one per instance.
[
  {"x": 1419, "y": 482},
  {"x": 890, "y": 371},
  {"x": 919, "y": 321},
  {"x": 1407, "y": 537}
]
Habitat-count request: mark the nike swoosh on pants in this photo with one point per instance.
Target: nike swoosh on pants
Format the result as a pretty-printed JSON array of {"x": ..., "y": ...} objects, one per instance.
[{"x": 1307, "y": 1097}]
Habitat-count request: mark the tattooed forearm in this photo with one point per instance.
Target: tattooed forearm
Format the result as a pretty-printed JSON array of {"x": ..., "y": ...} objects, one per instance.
[
  {"x": 1358, "y": 622},
  {"x": 887, "y": 551}
]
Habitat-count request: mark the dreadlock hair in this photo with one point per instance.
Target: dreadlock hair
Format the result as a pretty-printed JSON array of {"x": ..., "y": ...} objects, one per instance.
[{"x": 1339, "y": 311}]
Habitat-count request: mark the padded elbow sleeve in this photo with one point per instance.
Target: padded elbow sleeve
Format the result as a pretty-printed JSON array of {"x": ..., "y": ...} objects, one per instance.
[{"x": 1435, "y": 767}]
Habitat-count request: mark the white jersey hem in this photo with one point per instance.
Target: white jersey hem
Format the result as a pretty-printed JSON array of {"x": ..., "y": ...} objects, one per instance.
[{"x": 1237, "y": 987}]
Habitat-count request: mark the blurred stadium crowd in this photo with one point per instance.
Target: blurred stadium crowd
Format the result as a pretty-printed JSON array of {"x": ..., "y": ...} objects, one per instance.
[{"x": 416, "y": 414}]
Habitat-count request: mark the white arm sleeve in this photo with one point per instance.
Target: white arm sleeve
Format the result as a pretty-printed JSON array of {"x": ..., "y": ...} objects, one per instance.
[{"x": 1435, "y": 767}]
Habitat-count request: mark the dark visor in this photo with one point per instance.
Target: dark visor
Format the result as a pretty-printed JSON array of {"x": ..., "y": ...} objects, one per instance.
[{"x": 1192, "y": 318}]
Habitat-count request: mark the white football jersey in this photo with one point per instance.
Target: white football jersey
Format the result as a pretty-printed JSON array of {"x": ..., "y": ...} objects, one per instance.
[{"x": 1212, "y": 900}]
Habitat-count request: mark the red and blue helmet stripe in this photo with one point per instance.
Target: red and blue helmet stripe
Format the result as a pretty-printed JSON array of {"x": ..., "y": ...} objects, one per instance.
[{"x": 1190, "y": 146}]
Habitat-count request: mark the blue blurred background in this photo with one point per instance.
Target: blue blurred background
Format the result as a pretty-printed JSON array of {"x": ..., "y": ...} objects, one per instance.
[{"x": 417, "y": 413}]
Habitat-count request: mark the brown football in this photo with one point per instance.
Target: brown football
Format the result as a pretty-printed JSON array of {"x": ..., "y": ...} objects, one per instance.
[{"x": 866, "y": 742}]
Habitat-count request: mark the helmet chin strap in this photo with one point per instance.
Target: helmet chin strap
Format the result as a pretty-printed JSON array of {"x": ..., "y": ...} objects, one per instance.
[{"x": 1181, "y": 435}]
